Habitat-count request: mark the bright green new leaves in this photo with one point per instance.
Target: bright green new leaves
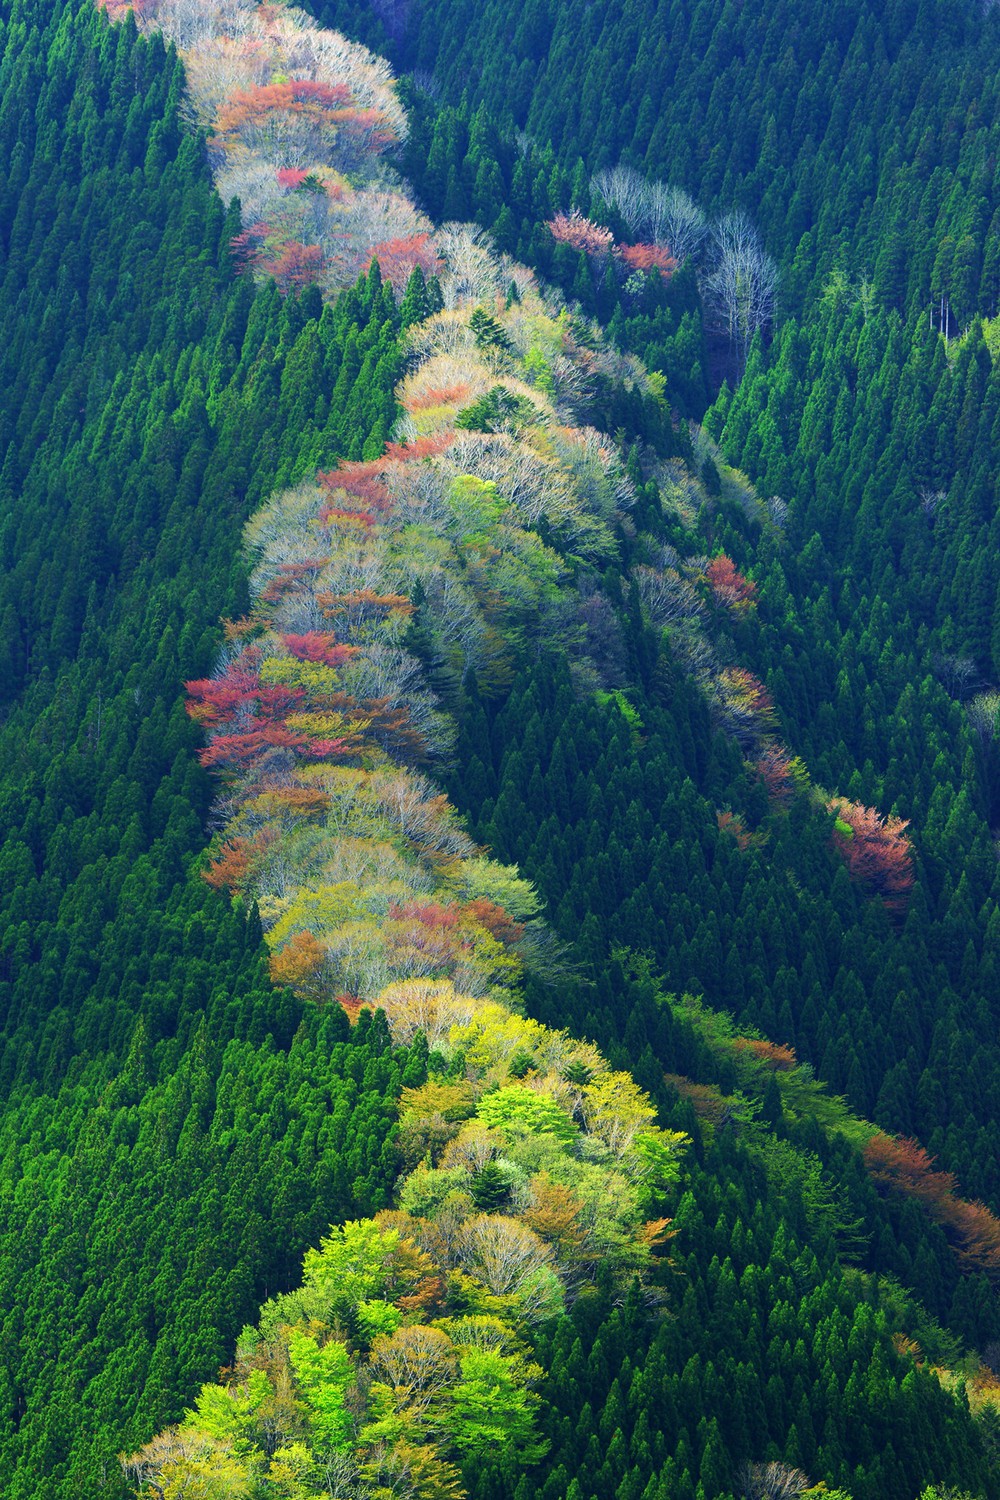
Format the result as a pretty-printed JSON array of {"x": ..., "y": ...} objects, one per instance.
[
  {"x": 375, "y": 1318},
  {"x": 228, "y": 1413},
  {"x": 351, "y": 1266},
  {"x": 492, "y": 1410},
  {"x": 657, "y": 1162},
  {"x": 324, "y": 1374},
  {"x": 522, "y": 1111}
]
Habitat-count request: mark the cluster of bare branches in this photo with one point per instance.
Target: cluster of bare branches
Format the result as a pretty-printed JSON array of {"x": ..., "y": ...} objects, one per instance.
[
  {"x": 655, "y": 211},
  {"x": 741, "y": 288},
  {"x": 738, "y": 278},
  {"x": 772, "y": 1481}
]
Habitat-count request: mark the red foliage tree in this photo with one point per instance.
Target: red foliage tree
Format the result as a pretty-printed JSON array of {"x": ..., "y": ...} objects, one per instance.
[
  {"x": 361, "y": 493},
  {"x": 215, "y": 700},
  {"x": 746, "y": 702},
  {"x": 429, "y": 913},
  {"x": 360, "y": 487},
  {"x": 292, "y": 264},
  {"x": 319, "y": 646},
  {"x": 248, "y": 246},
  {"x": 361, "y": 607},
  {"x": 419, "y": 448},
  {"x": 298, "y": 961},
  {"x": 728, "y": 584},
  {"x": 390, "y": 726},
  {"x": 876, "y": 849},
  {"x": 242, "y": 750},
  {"x": 977, "y": 1232},
  {"x": 496, "y": 920},
  {"x": 398, "y": 258},
  {"x": 707, "y": 1100},
  {"x": 302, "y": 801},
  {"x": 247, "y": 718},
  {"x": 351, "y": 1006}
]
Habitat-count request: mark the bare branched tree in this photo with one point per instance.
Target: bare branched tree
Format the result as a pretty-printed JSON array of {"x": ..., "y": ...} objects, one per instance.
[
  {"x": 773, "y": 1481},
  {"x": 959, "y": 674},
  {"x": 655, "y": 211},
  {"x": 624, "y": 190},
  {"x": 741, "y": 288},
  {"x": 674, "y": 219}
]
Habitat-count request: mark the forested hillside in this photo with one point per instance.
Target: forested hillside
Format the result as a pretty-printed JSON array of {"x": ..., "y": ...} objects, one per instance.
[
  {"x": 175, "y": 1132},
  {"x": 465, "y": 823},
  {"x": 864, "y": 155}
]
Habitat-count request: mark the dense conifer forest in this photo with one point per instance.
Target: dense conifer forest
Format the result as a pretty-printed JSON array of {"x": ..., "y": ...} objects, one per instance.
[{"x": 499, "y": 686}]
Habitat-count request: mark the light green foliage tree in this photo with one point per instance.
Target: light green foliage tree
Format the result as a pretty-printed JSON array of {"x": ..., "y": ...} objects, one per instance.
[
  {"x": 616, "y": 1110},
  {"x": 523, "y": 1111},
  {"x": 229, "y": 1413},
  {"x": 658, "y": 1157},
  {"x": 492, "y": 1410},
  {"x": 323, "y": 1374},
  {"x": 352, "y": 1265}
]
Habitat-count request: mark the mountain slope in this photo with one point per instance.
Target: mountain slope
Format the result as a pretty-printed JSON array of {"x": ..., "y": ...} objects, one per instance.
[{"x": 624, "y": 773}]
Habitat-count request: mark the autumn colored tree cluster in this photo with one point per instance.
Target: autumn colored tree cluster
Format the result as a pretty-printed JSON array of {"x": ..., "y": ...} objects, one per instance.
[
  {"x": 782, "y": 774},
  {"x": 904, "y": 1166},
  {"x": 896, "y": 1163},
  {"x": 319, "y": 714},
  {"x": 582, "y": 234},
  {"x": 876, "y": 849},
  {"x": 298, "y": 120},
  {"x": 597, "y": 243},
  {"x": 874, "y": 846},
  {"x": 529, "y": 1160},
  {"x": 214, "y": 1174}
]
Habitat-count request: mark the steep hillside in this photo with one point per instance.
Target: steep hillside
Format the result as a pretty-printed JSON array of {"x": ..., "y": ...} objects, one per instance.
[
  {"x": 576, "y": 1236},
  {"x": 867, "y": 411},
  {"x": 175, "y": 1131}
]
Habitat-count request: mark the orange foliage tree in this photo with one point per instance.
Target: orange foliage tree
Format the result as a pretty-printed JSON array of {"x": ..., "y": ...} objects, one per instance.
[
  {"x": 298, "y": 961},
  {"x": 273, "y": 114},
  {"x": 773, "y": 1055},
  {"x": 231, "y": 867},
  {"x": 876, "y": 849},
  {"x": 648, "y": 258},
  {"x": 902, "y": 1164}
]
